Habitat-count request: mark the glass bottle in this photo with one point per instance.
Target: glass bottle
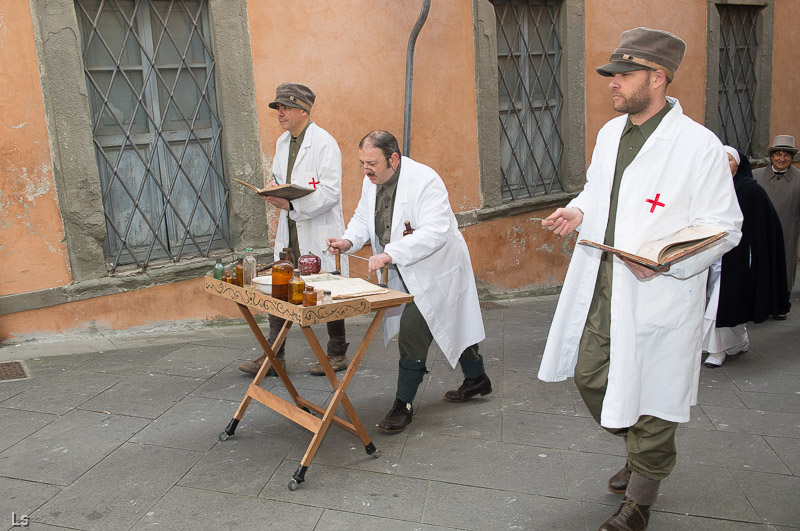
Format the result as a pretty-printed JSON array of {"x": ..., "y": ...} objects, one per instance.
[
  {"x": 309, "y": 296},
  {"x": 408, "y": 230},
  {"x": 327, "y": 298},
  {"x": 248, "y": 268},
  {"x": 290, "y": 256},
  {"x": 219, "y": 269},
  {"x": 296, "y": 288},
  {"x": 240, "y": 272},
  {"x": 282, "y": 271}
]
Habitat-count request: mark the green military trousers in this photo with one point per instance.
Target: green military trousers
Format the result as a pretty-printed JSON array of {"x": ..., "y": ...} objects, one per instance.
[
  {"x": 414, "y": 340},
  {"x": 651, "y": 440}
]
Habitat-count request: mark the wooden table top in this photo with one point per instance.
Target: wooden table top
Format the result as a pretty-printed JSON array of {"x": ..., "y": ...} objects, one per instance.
[{"x": 306, "y": 315}]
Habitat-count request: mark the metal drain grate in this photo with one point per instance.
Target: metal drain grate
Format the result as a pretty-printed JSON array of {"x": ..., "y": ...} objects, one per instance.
[
  {"x": 12, "y": 370},
  {"x": 487, "y": 305}
]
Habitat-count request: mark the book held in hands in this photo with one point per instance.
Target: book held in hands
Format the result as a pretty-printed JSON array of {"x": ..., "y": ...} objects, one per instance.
[
  {"x": 284, "y": 191},
  {"x": 660, "y": 254}
]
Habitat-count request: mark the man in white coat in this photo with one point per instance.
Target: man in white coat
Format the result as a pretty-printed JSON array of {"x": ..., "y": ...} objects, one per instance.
[
  {"x": 432, "y": 263},
  {"x": 309, "y": 156},
  {"x": 631, "y": 335}
]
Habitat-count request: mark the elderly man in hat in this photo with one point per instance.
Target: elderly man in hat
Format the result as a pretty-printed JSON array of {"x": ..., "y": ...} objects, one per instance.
[
  {"x": 631, "y": 335},
  {"x": 781, "y": 180},
  {"x": 309, "y": 156}
]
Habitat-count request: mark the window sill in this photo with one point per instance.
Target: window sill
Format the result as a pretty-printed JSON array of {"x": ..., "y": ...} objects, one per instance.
[{"x": 514, "y": 208}]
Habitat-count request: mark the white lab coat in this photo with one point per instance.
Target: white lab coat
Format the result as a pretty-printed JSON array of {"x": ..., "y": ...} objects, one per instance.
[
  {"x": 433, "y": 261},
  {"x": 657, "y": 324},
  {"x": 319, "y": 214}
]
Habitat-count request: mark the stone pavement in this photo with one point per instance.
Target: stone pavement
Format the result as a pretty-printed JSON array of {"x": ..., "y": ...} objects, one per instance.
[{"x": 122, "y": 433}]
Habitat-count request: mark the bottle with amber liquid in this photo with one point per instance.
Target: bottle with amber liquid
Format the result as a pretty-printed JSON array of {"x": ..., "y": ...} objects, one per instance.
[
  {"x": 240, "y": 272},
  {"x": 296, "y": 288},
  {"x": 290, "y": 256},
  {"x": 408, "y": 230},
  {"x": 282, "y": 272},
  {"x": 309, "y": 296}
]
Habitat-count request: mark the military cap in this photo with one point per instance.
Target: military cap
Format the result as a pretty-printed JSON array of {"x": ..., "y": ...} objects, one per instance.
[
  {"x": 293, "y": 95},
  {"x": 646, "y": 49}
]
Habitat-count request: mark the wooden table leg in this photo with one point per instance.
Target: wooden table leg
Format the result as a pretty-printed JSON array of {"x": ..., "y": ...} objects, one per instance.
[
  {"x": 340, "y": 389},
  {"x": 271, "y": 360}
]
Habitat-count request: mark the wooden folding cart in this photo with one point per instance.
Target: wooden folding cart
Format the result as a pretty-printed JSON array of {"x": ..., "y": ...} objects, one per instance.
[{"x": 312, "y": 417}]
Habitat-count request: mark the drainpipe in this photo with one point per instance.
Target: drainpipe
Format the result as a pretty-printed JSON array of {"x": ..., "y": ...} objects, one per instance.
[{"x": 412, "y": 40}]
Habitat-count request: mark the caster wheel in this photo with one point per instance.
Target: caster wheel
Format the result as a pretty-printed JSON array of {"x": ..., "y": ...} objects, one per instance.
[
  {"x": 376, "y": 454},
  {"x": 293, "y": 484},
  {"x": 223, "y": 436}
]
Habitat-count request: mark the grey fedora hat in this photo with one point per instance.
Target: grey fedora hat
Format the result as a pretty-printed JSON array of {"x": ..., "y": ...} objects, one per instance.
[
  {"x": 646, "y": 49},
  {"x": 782, "y": 143}
]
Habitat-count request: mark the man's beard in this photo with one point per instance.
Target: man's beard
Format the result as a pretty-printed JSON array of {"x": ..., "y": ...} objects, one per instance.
[{"x": 637, "y": 102}]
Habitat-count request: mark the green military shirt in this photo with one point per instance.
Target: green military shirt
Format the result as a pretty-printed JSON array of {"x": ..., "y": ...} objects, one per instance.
[
  {"x": 294, "y": 149},
  {"x": 384, "y": 206},
  {"x": 631, "y": 142}
]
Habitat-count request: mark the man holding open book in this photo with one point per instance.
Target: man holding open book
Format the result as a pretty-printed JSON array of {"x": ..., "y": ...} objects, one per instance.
[
  {"x": 629, "y": 333},
  {"x": 306, "y": 155}
]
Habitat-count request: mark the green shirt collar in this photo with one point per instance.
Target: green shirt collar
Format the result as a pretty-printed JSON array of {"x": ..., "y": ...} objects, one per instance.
[{"x": 299, "y": 139}]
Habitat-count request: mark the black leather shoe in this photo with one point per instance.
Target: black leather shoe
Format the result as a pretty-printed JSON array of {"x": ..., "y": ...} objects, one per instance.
[
  {"x": 618, "y": 483},
  {"x": 397, "y": 418},
  {"x": 481, "y": 385},
  {"x": 629, "y": 517},
  {"x": 779, "y": 317}
]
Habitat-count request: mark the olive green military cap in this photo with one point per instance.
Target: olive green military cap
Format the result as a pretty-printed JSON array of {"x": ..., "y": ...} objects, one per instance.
[
  {"x": 293, "y": 95},
  {"x": 646, "y": 49}
]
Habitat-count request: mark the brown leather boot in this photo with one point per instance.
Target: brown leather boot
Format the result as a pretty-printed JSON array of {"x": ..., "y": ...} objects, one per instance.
[
  {"x": 397, "y": 418},
  {"x": 618, "y": 483},
  {"x": 252, "y": 367},
  {"x": 629, "y": 517},
  {"x": 337, "y": 355},
  {"x": 339, "y": 363},
  {"x": 481, "y": 385}
]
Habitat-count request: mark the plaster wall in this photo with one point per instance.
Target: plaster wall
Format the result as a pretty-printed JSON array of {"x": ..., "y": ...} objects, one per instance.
[
  {"x": 352, "y": 54},
  {"x": 32, "y": 250},
  {"x": 171, "y": 303},
  {"x": 785, "y": 112},
  {"x": 605, "y": 22}
]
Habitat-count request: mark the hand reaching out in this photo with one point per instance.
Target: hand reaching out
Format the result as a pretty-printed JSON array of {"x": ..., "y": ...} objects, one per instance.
[{"x": 563, "y": 220}]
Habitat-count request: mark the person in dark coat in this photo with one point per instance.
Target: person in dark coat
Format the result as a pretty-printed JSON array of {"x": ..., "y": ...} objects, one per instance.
[{"x": 750, "y": 283}]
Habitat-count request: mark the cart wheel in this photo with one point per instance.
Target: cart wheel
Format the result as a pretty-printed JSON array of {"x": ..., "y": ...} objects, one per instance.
[
  {"x": 293, "y": 484},
  {"x": 223, "y": 436},
  {"x": 376, "y": 454}
]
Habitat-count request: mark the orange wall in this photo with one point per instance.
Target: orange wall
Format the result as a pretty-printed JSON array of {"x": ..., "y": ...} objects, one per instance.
[
  {"x": 514, "y": 253},
  {"x": 785, "y": 112},
  {"x": 185, "y": 300},
  {"x": 605, "y": 22},
  {"x": 353, "y": 56},
  {"x": 32, "y": 251}
]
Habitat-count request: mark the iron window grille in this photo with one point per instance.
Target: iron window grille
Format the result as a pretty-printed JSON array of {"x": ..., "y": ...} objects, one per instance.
[
  {"x": 529, "y": 55},
  {"x": 149, "y": 69},
  {"x": 737, "y": 75}
]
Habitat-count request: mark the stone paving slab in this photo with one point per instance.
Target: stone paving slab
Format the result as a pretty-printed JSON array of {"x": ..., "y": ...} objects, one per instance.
[
  {"x": 185, "y": 509},
  {"x": 122, "y": 433},
  {"x": 62, "y": 393},
  {"x": 67, "y": 447},
  {"x": 120, "y": 490}
]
